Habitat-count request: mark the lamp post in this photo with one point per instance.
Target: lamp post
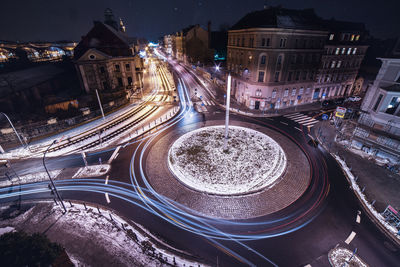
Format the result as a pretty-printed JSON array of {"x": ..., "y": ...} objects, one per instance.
[
  {"x": 228, "y": 102},
  {"x": 51, "y": 180},
  {"x": 15, "y": 131}
]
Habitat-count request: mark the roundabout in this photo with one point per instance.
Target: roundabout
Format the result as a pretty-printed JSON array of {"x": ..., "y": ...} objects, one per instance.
[{"x": 213, "y": 184}]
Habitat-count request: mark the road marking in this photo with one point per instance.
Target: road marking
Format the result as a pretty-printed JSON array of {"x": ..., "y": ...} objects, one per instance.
[
  {"x": 310, "y": 123},
  {"x": 298, "y": 129},
  {"x": 108, "y": 176},
  {"x": 304, "y": 120},
  {"x": 292, "y": 115},
  {"x": 107, "y": 198},
  {"x": 358, "y": 219},
  {"x": 350, "y": 237},
  {"x": 284, "y": 123},
  {"x": 114, "y": 154}
]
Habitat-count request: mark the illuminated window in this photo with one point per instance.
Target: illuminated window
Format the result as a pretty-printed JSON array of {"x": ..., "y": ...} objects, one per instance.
[
  {"x": 273, "y": 94},
  {"x": 308, "y": 90},
  {"x": 393, "y": 105},
  {"x": 286, "y": 93},
  {"x": 349, "y": 51},
  {"x": 354, "y": 50},
  {"x": 333, "y": 64},
  {"x": 301, "y": 90},
  {"x": 337, "y": 51},
  {"x": 343, "y": 50},
  {"x": 331, "y": 36},
  {"x": 258, "y": 92},
  {"x": 338, "y": 64},
  {"x": 357, "y": 37},
  {"x": 352, "y": 37},
  {"x": 294, "y": 92}
]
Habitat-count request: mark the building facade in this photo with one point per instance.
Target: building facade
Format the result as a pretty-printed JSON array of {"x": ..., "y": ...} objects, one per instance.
[
  {"x": 107, "y": 59},
  {"x": 277, "y": 55},
  {"x": 378, "y": 129}
]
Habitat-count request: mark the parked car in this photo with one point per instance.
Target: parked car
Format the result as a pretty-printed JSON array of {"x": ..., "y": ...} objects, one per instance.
[{"x": 354, "y": 98}]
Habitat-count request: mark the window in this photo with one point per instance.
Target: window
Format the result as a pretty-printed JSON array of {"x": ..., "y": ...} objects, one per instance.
[
  {"x": 282, "y": 43},
  {"x": 277, "y": 76},
  {"x": 273, "y": 94},
  {"x": 238, "y": 42},
  {"x": 333, "y": 64},
  {"x": 357, "y": 37},
  {"x": 289, "y": 76},
  {"x": 120, "y": 82},
  {"x": 393, "y": 105},
  {"x": 296, "y": 43},
  {"x": 251, "y": 44},
  {"x": 263, "y": 42},
  {"x": 354, "y": 50},
  {"x": 286, "y": 93},
  {"x": 294, "y": 92},
  {"x": 260, "y": 76},
  {"x": 352, "y": 37},
  {"x": 311, "y": 75},
  {"x": 268, "y": 42},
  {"x": 128, "y": 67},
  {"x": 279, "y": 61},
  {"x": 242, "y": 41},
  {"x": 300, "y": 59},
  {"x": 263, "y": 59},
  {"x": 129, "y": 80},
  {"x": 304, "y": 77},
  {"x": 331, "y": 36},
  {"x": 343, "y": 50},
  {"x": 293, "y": 59},
  {"x": 297, "y": 75},
  {"x": 117, "y": 68},
  {"x": 102, "y": 70},
  {"x": 258, "y": 92},
  {"x": 338, "y": 64},
  {"x": 337, "y": 51},
  {"x": 301, "y": 90},
  {"x": 377, "y": 102},
  {"x": 349, "y": 51}
]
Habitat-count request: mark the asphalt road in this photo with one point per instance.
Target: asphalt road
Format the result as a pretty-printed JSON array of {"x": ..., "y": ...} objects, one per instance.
[{"x": 306, "y": 231}]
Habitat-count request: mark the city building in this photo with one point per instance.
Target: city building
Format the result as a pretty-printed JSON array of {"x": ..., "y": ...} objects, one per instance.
[
  {"x": 167, "y": 41},
  {"x": 107, "y": 59},
  {"x": 276, "y": 57},
  {"x": 378, "y": 129},
  {"x": 191, "y": 45},
  {"x": 344, "y": 51}
]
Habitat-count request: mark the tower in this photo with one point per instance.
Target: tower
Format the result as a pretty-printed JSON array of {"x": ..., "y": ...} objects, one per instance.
[{"x": 109, "y": 18}]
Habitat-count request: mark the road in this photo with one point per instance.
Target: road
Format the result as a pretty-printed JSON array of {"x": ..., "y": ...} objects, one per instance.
[{"x": 301, "y": 234}]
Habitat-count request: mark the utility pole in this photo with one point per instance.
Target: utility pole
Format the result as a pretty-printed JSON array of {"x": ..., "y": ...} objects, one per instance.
[
  {"x": 228, "y": 102},
  {"x": 101, "y": 107},
  {"x": 51, "y": 180}
]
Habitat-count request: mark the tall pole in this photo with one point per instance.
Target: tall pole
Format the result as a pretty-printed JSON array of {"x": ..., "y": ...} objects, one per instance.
[
  {"x": 51, "y": 180},
  {"x": 15, "y": 131},
  {"x": 228, "y": 103},
  {"x": 101, "y": 108}
]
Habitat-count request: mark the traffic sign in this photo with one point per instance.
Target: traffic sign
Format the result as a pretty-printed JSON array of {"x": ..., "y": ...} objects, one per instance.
[
  {"x": 325, "y": 117},
  {"x": 340, "y": 111},
  {"x": 299, "y": 97}
]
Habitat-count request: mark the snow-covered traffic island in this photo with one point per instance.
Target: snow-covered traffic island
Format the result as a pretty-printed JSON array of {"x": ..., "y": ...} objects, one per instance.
[{"x": 253, "y": 161}]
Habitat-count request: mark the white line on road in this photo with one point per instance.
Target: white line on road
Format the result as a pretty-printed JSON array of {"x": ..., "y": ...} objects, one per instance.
[
  {"x": 284, "y": 123},
  {"x": 114, "y": 154},
  {"x": 107, "y": 198},
  {"x": 108, "y": 176},
  {"x": 358, "y": 219},
  {"x": 350, "y": 237},
  {"x": 298, "y": 129}
]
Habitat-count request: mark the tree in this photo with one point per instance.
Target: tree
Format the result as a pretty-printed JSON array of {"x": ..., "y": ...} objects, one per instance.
[{"x": 21, "y": 249}]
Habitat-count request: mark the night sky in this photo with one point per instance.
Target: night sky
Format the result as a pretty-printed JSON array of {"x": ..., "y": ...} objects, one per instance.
[{"x": 26, "y": 20}]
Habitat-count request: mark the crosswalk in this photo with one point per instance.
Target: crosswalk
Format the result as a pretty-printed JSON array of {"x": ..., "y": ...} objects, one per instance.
[
  {"x": 201, "y": 106},
  {"x": 302, "y": 119}
]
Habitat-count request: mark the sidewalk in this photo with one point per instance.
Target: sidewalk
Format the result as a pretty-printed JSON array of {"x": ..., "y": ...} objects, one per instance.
[{"x": 380, "y": 185}]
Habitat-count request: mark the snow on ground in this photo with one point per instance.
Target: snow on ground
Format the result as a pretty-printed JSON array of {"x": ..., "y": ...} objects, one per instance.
[
  {"x": 125, "y": 242},
  {"x": 92, "y": 171},
  {"x": 357, "y": 189},
  {"x": 253, "y": 161},
  {"x": 30, "y": 178},
  {"x": 6, "y": 229},
  {"x": 339, "y": 257}
]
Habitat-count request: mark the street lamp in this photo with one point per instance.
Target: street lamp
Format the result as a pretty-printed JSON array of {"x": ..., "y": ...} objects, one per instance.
[
  {"x": 51, "y": 180},
  {"x": 19, "y": 138}
]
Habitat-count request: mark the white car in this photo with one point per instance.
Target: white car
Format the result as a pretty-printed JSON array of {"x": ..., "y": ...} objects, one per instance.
[{"x": 354, "y": 98}]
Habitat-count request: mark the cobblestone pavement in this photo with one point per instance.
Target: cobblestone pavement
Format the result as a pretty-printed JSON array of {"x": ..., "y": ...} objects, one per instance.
[
  {"x": 288, "y": 189},
  {"x": 380, "y": 184}
]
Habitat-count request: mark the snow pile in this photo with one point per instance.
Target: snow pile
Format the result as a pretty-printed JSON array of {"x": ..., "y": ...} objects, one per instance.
[
  {"x": 118, "y": 237},
  {"x": 30, "y": 178},
  {"x": 92, "y": 171},
  {"x": 361, "y": 195},
  {"x": 253, "y": 160},
  {"x": 339, "y": 257}
]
